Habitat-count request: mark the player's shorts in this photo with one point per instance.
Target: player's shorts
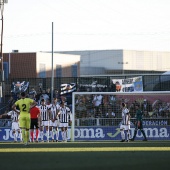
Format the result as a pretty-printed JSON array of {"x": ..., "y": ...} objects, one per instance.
[
  {"x": 55, "y": 123},
  {"x": 124, "y": 127},
  {"x": 34, "y": 123},
  {"x": 24, "y": 121},
  {"x": 63, "y": 124},
  {"x": 45, "y": 123},
  {"x": 15, "y": 126}
]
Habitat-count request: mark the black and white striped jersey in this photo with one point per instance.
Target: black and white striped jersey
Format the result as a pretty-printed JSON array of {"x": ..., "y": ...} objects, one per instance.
[
  {"x": 64, "y": 114},
  {"x": 14, "y": 115},
  {"x": 54, "y": 109},
  {"x": 44, "y": 114},
  {"x": 125, "y": 116}
]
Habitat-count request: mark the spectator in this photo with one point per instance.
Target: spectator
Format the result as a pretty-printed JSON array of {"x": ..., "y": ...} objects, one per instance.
[
  {"x": 110, "y": 115},
  {"x": 89, "y": 104},
  {"x": 112, "y": 99},
  {"x": 48, "y": 92},
  {"x": 97, "y": 101},
  {"x": 44, "y": 96},
  {"x": 146, "y": 108},
  {"x": 11, "y": 101},
  {"x": 91, "y": 119},
  {"x": 80, "y": 110},
  {"x": 112, "y": 87},
  {"x": 132, "y": 110}
]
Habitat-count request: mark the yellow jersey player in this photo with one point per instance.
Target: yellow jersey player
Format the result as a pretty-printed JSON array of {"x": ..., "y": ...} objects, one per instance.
[{"x": 24, "y": 105}]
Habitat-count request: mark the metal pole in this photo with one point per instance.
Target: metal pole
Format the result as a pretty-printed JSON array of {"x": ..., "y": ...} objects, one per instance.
[
  {"x": 52, "y": 70},
  {"x": 1, "y": 53},
  {"x": 2, "y": 28}
]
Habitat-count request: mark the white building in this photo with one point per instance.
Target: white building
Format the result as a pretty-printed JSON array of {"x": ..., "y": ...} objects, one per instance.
[{"x": 109, "y": 62}]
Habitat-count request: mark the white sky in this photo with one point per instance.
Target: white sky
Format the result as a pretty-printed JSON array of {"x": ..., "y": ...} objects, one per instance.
[{"x": 86, "y": 25}]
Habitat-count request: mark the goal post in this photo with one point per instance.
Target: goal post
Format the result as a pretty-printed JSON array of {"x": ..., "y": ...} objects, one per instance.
[{"x": 96, "y": 116}]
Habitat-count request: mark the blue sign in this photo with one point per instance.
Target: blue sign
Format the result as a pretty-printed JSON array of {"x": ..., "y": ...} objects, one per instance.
[{"x": 102, "y": 133}]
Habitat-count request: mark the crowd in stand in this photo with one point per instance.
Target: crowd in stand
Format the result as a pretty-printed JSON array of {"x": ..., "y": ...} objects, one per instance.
[
  {"x": 109, "y": 106},
  {"x": 99, "y": 106}
]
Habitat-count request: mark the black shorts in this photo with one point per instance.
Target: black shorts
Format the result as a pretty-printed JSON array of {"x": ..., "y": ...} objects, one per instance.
[{"x": 34, "y": 123}]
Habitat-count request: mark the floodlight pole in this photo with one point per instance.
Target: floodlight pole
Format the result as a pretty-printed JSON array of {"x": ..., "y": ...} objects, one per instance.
[
  {"x": 2, "y": 27},
  {"x": 2, "y": 2},
  {"x": 52, "y": 69}
]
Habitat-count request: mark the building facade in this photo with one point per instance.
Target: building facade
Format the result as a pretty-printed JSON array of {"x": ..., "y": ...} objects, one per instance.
[
  {"x": 111, "y": 62},
  {"x": 39, "y": 65},
  {"x": 85, "y": 63}
]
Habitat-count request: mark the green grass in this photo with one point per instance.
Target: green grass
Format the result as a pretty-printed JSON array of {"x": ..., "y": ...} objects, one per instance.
[{"x": 86, "y": 156}]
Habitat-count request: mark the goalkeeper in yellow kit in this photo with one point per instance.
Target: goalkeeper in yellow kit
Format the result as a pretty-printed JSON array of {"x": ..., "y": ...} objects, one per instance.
[{"x": 24, "y": 104}]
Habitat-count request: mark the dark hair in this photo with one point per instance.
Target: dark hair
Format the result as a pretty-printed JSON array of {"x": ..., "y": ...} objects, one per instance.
[
  {"x": 42, "y": 100},
  {"x": 23, "y": 94},
  {"x": 123, "y": 104}
]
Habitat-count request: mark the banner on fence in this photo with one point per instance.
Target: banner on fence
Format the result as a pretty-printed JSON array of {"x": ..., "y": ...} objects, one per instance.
[
  {"x": 102, "y": 133},
  {"x": 134, "y": 84}
]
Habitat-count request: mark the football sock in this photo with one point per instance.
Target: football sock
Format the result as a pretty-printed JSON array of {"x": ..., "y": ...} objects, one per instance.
[
  {"x": 15, "y": 136},
  {"x": 128, "y": 135},
  {"x": 23, "y": 135},
  {"x": 66, "y": 135},
  {"x": 63, "y": 133},
  {"x": 47, "y": 134},
  {"x": 37, "y": 132},
  {"x": 32, "y": 135},
  {"x": 143, "y": 133},
  {"x": 57, "y": 134},
  {"x": 122, "y": 134},
  {"x": 135, "y": 134},
  {"x": 52, "y": 134},
  {"x": 27, "y": 135},
  {"x": 41, "y": 134},
  {"x": 20, "y": 135}
]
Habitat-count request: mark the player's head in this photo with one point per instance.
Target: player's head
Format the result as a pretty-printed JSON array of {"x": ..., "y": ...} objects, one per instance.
[
  {"x": 62, "y": 104},
  {"x": 123, "y": 105},
  {"x": 54, "y": 100},
  {"x": 42, "y": 101},
  {"x": 23, "y": 94}
]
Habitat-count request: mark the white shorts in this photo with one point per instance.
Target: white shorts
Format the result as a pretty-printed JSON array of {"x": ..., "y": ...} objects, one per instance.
[
  {"x": 63, "y": 124},
  {"x": 55, "y": 123},
  {"x": 15, "y": 126},
  {"x": 45, "y": 123},
  {"x": 124, "y": 127}
]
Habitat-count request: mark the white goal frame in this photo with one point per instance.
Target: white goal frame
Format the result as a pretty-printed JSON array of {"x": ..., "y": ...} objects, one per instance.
[{"x": 72, "y": 135}]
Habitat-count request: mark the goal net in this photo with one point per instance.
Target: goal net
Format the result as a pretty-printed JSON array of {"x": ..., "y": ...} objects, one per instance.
[{"x": 97, "y": 115}]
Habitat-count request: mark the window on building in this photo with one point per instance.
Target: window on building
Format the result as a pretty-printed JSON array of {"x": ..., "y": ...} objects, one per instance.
[
  {"x": 42, "y": 71},
  {"x": 6, "y": 70},
  {"x": 58, "y": 71},
  {"x": 74, "y": 70}
]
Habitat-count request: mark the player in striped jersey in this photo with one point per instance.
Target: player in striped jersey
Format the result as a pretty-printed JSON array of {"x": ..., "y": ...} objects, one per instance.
[
  {"x": 15, "y": 124},
  {"x": 65, "y": 118},
  {"x": 44, "y": 118},
  {"x": 54, "y": 120},
  {"x": 125, "y": 124}
]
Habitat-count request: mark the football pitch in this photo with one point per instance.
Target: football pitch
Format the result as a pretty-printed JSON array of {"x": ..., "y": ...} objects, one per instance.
[{"x": 85, "y": 156}]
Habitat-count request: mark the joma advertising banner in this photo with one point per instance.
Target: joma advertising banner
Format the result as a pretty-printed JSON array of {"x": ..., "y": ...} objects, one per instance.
[{"x": 102, "y": 133}]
